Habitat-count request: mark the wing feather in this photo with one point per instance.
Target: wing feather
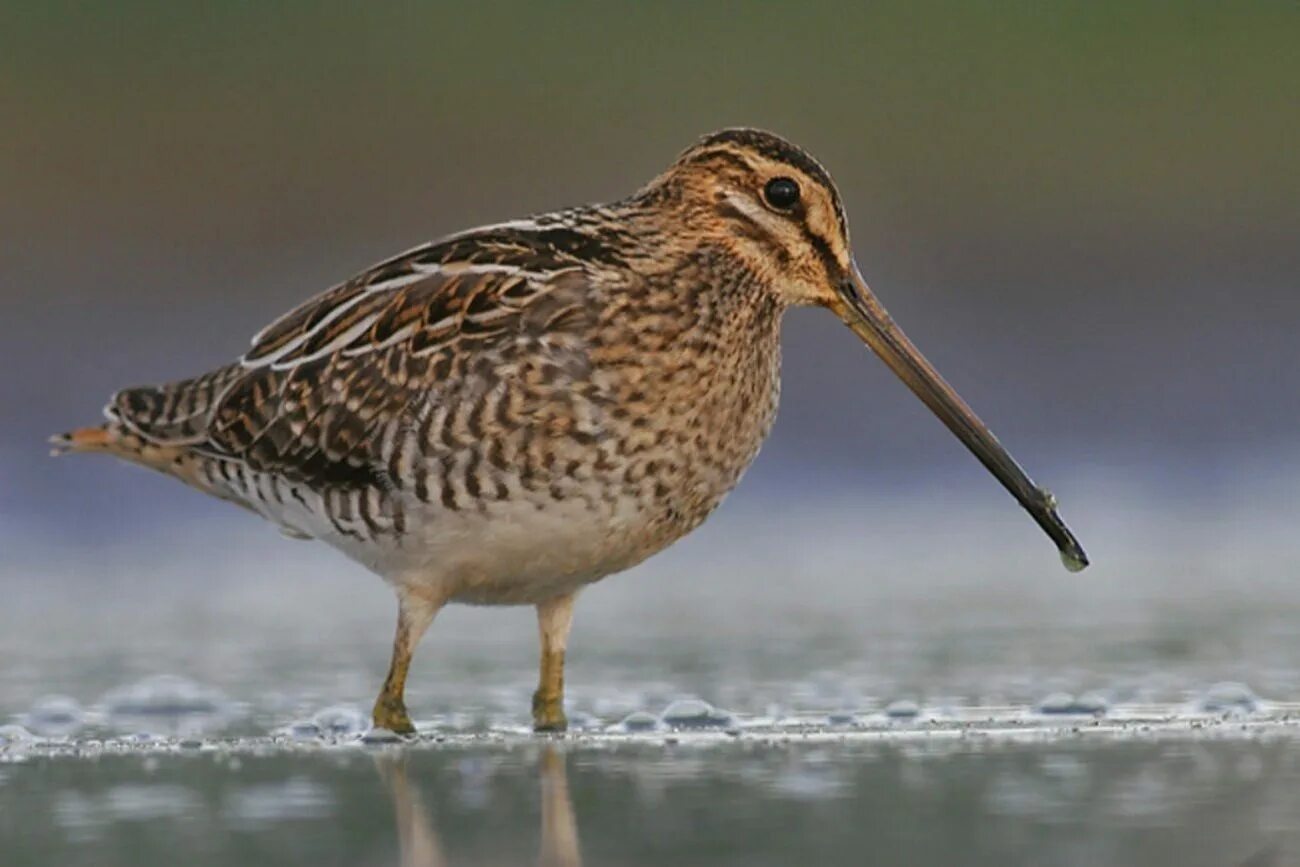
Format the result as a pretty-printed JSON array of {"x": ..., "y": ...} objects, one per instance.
[{"x": 312, "y": 398}]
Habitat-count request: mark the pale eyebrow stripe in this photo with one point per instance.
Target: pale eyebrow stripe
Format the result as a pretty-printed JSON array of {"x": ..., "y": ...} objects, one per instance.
[{"x": 765, "y": 224}]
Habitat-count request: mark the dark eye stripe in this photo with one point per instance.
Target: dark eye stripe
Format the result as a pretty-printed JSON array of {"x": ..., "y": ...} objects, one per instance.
[{"x": 824, "y": 253}]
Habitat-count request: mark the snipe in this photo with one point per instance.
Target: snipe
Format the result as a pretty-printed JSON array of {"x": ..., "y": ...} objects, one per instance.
[{"x": 508, "y": 414}]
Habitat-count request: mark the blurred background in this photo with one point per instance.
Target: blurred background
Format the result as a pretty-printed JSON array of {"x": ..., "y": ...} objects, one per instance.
[{"x": 1085, "y": 213}]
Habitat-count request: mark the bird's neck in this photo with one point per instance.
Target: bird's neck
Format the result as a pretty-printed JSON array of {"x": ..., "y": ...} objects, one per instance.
[{"x": 699, "y": 361}]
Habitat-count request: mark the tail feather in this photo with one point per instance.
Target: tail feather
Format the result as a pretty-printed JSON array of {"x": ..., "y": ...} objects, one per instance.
[
  {"x": 178, "y": 461},
  {"x": 84, "y": 439},
  {"x": 114, "y": 438},
  {"x": 177, "y": 413},
  {"x": 148, "y": 423}
]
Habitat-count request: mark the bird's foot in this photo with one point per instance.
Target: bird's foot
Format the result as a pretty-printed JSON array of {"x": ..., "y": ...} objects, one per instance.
[
  {"x": 548, "y": 713},
  {"x": 390, "y": 713}
]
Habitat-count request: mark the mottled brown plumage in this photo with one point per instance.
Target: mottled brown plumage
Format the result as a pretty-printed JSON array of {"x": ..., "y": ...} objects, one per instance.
[{"x": 508, "y": 414}]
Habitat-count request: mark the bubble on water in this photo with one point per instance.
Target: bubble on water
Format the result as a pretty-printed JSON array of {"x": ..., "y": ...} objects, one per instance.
[
  {"x": 15, "y": 736},
  {"x": 638, "y": 721},
  {"x": 1055, "y": 703},
  {"x": 167, "y": 704},
  {"x": 692, "y": 713},
  {"x": 1065, "y": 704},
  {"x": 1093, "y": 702},
  {"x": 1229, "y": 697},
  {"x": 902, "y": 709},
  {"x": 303, "y": 730},
  {"x": 842, "y": 718},
  {"x": 55, "y": 716},
  {"x": 581, "y": 721},
  {"x": 341, "y": 720}
]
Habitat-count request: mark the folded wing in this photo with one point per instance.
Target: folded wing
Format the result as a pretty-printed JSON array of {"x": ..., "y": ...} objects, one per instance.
[{"x": 323, "y": 386}]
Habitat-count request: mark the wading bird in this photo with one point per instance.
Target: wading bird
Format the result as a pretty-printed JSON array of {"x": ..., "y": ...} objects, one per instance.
[{"x": 509, "y": 414}]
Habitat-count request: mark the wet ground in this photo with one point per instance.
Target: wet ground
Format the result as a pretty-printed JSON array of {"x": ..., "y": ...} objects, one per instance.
[
  {"x": 826, "y": 688},
  {"x": 1002, "y": 789}
]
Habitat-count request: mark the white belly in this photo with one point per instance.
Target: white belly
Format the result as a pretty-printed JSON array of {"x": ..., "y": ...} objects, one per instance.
[{"x": 512, "y": 553}]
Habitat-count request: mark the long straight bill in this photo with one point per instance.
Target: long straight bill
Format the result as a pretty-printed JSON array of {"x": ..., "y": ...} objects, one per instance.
[{"x": 861, "y": 311}]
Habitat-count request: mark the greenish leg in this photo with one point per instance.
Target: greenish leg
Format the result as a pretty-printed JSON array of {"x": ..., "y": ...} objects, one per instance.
[
  {"x": 554, "y": 618},
  {"x": 413, "y": 618}
]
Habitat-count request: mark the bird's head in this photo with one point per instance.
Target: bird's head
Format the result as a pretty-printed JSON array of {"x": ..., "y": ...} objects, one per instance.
[
  {"x": 771, "y": 206},
  {"x": 774, "y": 208}
]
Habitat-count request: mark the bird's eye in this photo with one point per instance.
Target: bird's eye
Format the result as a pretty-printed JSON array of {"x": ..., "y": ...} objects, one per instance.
[{"x": 781, "y": 193}]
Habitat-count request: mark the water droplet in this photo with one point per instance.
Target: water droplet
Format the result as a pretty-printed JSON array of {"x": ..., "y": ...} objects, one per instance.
[
  {"x": 304, "y": 730},
  {"x": 55, "y": 716},
  {"x": 580, "y": 721},
  {"x": 15, "y": 736},
  {"x": 692, "y": 713},
  {"x": 1092, "y": 703},
  {"x": 341, "y": 720},
  {"x": 903, "y": 708},
  {"x": 167, "y": 704},
  {"x": 1229, "y": 697},
  {"x": 1065, "y": 704},
  {"x": 639, "y": 721}
]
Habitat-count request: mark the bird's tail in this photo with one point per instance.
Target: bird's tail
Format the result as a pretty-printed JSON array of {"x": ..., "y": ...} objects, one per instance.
[
  {"x": 114, "y": 438},
  {"x": 176, "y": 460},
  {"x": 102, "y": 438}
]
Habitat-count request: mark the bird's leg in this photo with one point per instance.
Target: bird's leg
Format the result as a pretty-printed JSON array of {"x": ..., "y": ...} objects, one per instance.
[
  {"x": 414, "y": 615},
  {"x": 554, "y": 617}
]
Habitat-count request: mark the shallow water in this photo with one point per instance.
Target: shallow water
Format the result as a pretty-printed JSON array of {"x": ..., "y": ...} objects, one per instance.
[
  {"x": 996, "y": 791},
  {"x": 877, "y": 698}
]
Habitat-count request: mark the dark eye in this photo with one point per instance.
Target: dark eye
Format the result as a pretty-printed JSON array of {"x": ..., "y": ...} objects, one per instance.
[{"x": 781, "y": 193}]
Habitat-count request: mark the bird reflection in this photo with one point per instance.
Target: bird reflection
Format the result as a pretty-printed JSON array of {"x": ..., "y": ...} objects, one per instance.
[
  {"x": 559, "y": 824},
  {"x": 417, "y": 836}
]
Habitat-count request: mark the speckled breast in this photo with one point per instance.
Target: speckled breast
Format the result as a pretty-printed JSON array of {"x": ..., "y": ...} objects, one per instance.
[{"x": 584, "y": 459}]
